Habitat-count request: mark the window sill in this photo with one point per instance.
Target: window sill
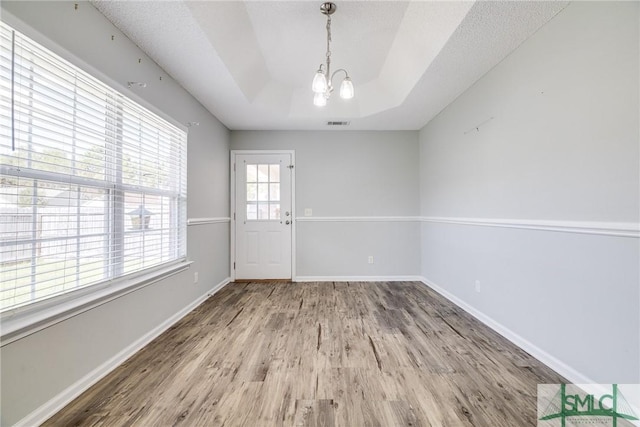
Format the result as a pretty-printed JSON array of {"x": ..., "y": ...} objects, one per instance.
[{"x": 24, "y": 321}]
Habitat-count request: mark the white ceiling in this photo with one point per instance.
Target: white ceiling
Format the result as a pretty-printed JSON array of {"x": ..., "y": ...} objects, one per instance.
[{"x": 251, "y": 63}]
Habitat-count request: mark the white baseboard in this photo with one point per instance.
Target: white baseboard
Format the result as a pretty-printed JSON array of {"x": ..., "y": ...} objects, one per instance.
[
  {"x": 358, "y": 279},
  {"x": 50, "y": 408},
  {"x": 572, "y": 376},
  {"x": 560, "y": 367}
]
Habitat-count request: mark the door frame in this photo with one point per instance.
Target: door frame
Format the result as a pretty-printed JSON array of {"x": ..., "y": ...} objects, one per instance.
[{"x": 232, "y": 211}]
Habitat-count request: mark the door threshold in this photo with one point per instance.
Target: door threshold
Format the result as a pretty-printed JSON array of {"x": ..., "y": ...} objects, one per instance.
[{"x": 261, "y": 280}]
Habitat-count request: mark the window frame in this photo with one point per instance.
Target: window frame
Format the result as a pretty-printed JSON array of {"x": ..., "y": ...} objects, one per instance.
[{"x": 22, "y": 320}]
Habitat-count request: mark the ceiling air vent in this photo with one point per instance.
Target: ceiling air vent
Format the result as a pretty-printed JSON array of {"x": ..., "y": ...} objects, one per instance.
[{"x": 338, "y": 123}]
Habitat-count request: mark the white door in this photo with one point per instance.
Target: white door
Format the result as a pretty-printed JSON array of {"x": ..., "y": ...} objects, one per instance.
[{"x": 263, "y": 216}]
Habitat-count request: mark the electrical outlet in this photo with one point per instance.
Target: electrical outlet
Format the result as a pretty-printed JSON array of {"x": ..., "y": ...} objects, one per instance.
[
  {"x": 477, "y": 285},
  {"x": 370, "y": 259},
  {"x": 308, "y": 212},
  {"x": 195, "y": 277}
]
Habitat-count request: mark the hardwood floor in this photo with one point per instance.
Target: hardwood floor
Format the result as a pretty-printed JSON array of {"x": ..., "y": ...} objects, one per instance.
[{"x": 320, "y": 354}]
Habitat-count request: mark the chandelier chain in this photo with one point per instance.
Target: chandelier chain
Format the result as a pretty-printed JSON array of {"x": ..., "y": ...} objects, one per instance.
[{"x": 328, "y": 35}]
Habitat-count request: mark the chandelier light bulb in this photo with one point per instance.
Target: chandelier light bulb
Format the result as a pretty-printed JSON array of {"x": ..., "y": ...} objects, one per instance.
[
  {"x": 319, "y": 84},
  {"x": 319, "y": 100},
  {"x": 346, "y": 89}
]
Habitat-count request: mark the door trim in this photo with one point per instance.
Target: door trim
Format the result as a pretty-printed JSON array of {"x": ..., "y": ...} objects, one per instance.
[{"x": 232, "y": 172}]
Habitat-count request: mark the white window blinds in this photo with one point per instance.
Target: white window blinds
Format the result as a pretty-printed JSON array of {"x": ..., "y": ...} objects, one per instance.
[{"x": 92, "y": 185}]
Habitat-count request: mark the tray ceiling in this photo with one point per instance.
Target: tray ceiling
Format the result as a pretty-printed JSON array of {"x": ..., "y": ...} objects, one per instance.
[{"x": 251, "y": 63}]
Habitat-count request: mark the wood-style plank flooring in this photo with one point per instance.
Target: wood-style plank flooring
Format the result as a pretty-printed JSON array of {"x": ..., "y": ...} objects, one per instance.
[{"x": 320, "y": 354}]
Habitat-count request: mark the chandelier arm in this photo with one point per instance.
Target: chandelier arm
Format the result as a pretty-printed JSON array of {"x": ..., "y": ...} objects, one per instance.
[{"x": 337, "y": 71}]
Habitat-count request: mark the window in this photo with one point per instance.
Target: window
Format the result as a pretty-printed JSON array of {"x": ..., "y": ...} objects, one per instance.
[
  {"x": 263, "y": 192},
  {"x": 92, "y": 185}
]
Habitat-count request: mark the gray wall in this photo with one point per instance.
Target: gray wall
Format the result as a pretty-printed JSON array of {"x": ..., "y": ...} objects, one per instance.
[
  {"x": 562, "y": 146},
  {"x": 39, "y": 367},
  {"x": 351, "y": 174}
]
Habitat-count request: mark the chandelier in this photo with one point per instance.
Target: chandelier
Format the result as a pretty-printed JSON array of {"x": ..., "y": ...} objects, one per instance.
[{"x": 322, "y": 82}]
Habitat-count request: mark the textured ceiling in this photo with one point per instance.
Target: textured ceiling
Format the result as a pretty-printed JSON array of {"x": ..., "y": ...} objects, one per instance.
[{"x": 251, "y": 63}]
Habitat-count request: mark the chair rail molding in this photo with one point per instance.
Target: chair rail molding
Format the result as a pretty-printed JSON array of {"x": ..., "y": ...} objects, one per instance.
[
  {"x": 358, "y": 219},
  {"x": 212, "y": 220},
  {"x": 617, "y": 229}
]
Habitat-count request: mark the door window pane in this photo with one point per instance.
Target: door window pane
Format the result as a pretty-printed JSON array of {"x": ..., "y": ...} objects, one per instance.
[
  {"x": 263, "y": 192},
  {"x": 252, "y": 192},
  {"x": 274, "y": 192},
  {"x": 263, "y": 173},
  {"x": 263, "y": 211},
  {"x": 252, "y": 213},
  {"x": 274, "y": 211}
]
